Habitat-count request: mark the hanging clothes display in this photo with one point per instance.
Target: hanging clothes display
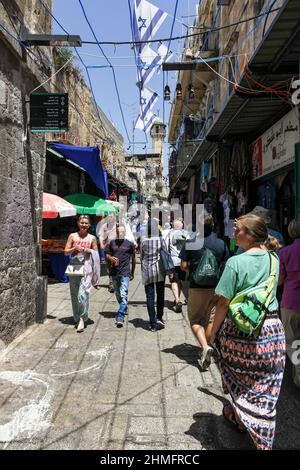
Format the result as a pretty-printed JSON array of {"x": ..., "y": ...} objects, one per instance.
[
  {"x": 209, "y": 204},
  {"x": 241, "y": 203},
  {"x": 226, "y": 200},
  {"x": 267, "y": 195}
]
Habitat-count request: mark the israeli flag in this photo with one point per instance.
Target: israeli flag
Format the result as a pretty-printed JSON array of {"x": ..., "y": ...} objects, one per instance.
[
  {"x": 148, "y": 100},
  {"x": 149, "y": 62},
  {"x": 147, "y": 19},
  {"x": 165, "y": 55},
  {"x": 145, "y": 118},
  {"x": 144, "y": 124}
]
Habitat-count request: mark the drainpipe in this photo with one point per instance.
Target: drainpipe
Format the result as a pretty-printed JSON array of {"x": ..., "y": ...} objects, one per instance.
[{"x": 297, "y": 179}]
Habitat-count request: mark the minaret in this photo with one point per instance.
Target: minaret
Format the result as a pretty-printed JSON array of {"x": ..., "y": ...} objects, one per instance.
[{"x": 158, "y": 134}]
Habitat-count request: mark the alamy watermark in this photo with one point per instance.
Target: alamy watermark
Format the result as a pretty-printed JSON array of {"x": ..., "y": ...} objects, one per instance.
[
  {"x": 191, "y": 215},
  {"x": 295, "y": 358}
]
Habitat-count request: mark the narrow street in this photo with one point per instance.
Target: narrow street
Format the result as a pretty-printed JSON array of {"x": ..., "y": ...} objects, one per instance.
[{"x": 127, "y": 388}]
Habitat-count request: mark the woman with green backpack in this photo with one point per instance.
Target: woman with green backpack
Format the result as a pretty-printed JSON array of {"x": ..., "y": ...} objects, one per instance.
[{"x": 249, "y": 334}]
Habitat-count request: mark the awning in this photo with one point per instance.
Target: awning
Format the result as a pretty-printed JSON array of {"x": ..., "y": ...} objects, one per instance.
[{"x": 87, "y": 158}]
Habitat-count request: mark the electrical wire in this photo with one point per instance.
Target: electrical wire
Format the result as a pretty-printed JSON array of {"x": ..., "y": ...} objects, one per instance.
[
  {"x": 50, "y": 78},
  {"x": 85, "y": 67},
  {"x": 112, "y": 68},
  {"x": 132, "y": 43},
  {"x": 172, "y": 27}
]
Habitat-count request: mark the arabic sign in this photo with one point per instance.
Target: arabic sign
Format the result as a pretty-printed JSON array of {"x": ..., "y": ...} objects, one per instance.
[
  {"x": 276, "y": 147},
  {"x": 49, "y": 112}
]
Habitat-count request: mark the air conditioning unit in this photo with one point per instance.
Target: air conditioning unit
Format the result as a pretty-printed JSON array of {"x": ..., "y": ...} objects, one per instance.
[{"x": 50, "y": 183}]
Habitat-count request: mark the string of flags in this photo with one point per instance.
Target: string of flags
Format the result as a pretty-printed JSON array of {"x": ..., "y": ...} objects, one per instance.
[{"x": 146, "y": 21}]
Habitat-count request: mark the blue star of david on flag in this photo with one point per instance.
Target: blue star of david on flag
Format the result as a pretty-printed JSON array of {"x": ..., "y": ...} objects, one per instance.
[
  {"x": 143, "y": 21},
  {"x": 146, "y": 21},
  {"x": 145, "y": 118}
]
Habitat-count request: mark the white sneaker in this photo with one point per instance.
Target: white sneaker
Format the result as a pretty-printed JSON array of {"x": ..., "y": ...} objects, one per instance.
[
  {"x": 206, "y": 357},
  {"x": 80, "y": 326}
]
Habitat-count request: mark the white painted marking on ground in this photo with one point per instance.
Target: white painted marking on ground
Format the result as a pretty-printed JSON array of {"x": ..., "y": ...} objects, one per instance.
[
  {"x": 103, "y": 353},
  {"x": 62, "y": 344},
  {"x": 32, "y": 418}
]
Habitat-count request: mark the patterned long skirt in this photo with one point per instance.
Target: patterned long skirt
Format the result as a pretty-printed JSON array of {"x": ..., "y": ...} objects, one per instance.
[{"x": 252, "y": 371}]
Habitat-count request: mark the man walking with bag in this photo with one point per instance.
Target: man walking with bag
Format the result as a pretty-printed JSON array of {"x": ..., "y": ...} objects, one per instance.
[
  {"x": 119, "y": 253},
  {"x": 203, "y": 266}
]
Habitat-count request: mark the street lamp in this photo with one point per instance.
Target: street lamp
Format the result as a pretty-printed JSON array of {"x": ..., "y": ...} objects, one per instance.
[{"x": 60, "y": 40}]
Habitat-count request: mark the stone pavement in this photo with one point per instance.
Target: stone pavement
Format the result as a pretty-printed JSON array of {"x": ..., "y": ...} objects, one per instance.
[{"x": 127, "y": 388}]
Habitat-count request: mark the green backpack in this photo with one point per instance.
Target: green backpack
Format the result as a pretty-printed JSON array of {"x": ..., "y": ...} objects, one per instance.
[
  {"x": 207, "y": 271},
  {"x": 247, "y": 310}
]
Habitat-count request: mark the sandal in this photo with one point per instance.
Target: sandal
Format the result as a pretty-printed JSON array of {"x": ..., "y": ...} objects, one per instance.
[{"x": 230, "y": 418}]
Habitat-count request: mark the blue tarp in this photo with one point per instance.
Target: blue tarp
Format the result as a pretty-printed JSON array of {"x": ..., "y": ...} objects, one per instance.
[
  {"x": 89, "y": 159},
  {"x": 59, "y": 263}
]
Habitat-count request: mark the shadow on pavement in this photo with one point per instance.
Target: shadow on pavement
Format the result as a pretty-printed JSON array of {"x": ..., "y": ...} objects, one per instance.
[
  {"x": 169, "y": 305},
  {"x": 214, "y": 433},
  {"x": 187, "y": 352},
  {"x": 108, "y": 314},
  {"x": 137, "y": 302},
  {"x": 287, "y": 411},
  {"x": 212, "y": 394},
  {"x": 67, "y": 320},
  {"x": 139, "y": 323},
  {"x": 70, "y": 321}
]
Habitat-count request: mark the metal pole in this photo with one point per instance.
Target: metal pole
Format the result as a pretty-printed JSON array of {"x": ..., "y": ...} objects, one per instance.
[{"x": 297, "y": 179}]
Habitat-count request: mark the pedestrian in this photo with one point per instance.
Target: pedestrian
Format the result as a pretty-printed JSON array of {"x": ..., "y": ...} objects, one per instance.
[
  {"x": 84, "y": 252},
  {"x": 251, "y": 366},
  {"x": 290, "y": 302},
  {"x": 107, "y": 232},
  {"x": 175, "y": 240},
  {"x": 201, "y": 297},
  {"x": 119, "y": 253},
  {"x": 153, "y": 276}
]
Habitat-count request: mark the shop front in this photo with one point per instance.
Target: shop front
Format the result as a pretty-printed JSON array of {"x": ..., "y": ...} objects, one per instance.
[
  {"x": 69, "y": 171},
  {"x": 222, "y": 186},
  {"x": 274, "y": 172}
]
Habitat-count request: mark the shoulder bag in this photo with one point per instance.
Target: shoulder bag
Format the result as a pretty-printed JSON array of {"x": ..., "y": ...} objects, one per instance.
[
  {"x": 166, "y": 258},
  {"x": 247, "y": 310}
]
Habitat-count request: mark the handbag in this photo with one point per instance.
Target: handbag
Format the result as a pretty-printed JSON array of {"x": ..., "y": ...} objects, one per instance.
[
  {"x": 167, "y": 261},
  {"x": 247, "y": 310},
  {"x": 75, "y": 267}
]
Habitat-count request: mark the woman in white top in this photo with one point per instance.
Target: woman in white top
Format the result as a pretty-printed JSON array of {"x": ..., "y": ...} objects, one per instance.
[{"x": 79, "y": 246}]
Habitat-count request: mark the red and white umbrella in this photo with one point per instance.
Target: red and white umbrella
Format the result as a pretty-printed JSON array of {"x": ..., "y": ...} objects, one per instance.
[{"x": 54, "y": 206}]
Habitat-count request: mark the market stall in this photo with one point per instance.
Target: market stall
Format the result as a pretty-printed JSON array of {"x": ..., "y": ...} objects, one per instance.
[{"x": 55, "y": 234}]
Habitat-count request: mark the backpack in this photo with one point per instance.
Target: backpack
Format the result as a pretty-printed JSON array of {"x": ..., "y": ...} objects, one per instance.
[
  {"x": 207, "y": 270},
  {"x": 247, "y": 310}
]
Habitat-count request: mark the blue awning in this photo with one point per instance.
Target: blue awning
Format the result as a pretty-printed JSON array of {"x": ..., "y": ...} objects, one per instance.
[{"x": 89, "y": 159}]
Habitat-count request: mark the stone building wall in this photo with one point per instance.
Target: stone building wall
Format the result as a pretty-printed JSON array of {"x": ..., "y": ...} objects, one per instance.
[{"x": 22, "y": 161}]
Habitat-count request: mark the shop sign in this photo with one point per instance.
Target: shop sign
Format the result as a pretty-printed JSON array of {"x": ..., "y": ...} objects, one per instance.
[
  {"x": 276, "y": 147},
  {"x": 49, "y": 112}
]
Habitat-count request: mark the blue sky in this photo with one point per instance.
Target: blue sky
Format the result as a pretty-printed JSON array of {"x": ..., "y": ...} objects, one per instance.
[{"x": 110, "y": 21}]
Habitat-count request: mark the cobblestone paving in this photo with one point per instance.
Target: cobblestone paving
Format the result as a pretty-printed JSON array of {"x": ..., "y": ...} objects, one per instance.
[{"x": 127, "y": 388}]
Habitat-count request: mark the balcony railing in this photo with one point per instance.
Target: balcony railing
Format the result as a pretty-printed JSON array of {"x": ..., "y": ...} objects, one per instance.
[{"x": 185, "y": 152}]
